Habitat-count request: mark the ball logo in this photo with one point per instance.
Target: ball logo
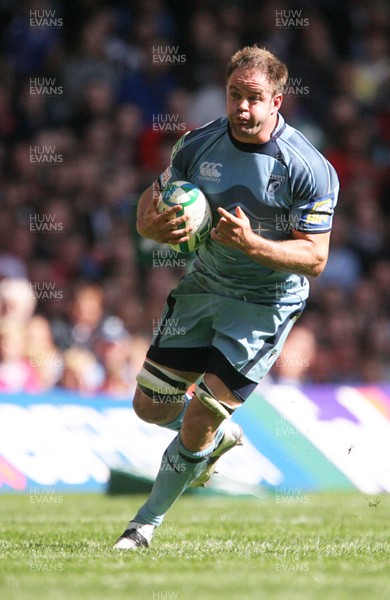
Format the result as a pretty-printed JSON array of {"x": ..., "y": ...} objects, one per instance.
[
  {"x": 210, "y": 169},
  {"x": 194, "y": 204}
]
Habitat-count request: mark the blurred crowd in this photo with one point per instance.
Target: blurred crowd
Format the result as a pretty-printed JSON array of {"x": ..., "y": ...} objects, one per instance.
[{"x": 93, "y": 96}]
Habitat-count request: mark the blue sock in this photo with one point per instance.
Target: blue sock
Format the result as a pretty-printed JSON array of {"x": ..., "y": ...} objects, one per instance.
[
  {"x": 179, "y": 467},
  {"x": 176, "y": 424}
]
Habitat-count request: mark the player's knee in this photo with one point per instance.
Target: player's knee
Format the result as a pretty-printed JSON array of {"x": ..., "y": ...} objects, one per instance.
[
  {"x": 143, "y": 407},
  {"x": 152, "y": 412},
  {"x": 159, "y": 395}
]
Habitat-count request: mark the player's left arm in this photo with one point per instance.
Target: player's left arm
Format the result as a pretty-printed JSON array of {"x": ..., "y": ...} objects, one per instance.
[{"x": 306, "y": 253}]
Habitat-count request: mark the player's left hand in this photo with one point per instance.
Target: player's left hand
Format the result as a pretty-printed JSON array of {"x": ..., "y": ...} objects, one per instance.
[{"x": 233, "y": 231}]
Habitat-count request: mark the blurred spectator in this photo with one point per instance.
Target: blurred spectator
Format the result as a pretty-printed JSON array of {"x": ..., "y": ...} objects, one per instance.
[
  {"x": 111, "y": 346},
  {"x": 16, "y": 371},
  {"x": 43, "y": 354},
  {"x": 80, "y": 371},
  {"x": 373, "y": 67},
  {"x": 17, "y": 300},
  {"x": 129, "y": 79},
  {"x": 84, "y": 317}
]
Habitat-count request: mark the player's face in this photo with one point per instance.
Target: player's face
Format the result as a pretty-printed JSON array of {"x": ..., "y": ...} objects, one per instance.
[{"x": 251, "y": 106}]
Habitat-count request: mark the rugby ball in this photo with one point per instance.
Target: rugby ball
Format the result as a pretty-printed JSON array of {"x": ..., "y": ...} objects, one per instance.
[{"x": 194, "y": 204}]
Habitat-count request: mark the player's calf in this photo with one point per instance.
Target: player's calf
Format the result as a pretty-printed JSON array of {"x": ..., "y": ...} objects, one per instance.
[{"x": 207, "y": 419}]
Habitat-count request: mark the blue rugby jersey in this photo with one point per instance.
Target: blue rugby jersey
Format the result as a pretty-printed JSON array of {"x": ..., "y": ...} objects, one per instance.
[{"x": 282, "y": 184}]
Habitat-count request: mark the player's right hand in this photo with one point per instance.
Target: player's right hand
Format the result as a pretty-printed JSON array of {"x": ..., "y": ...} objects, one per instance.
[{"x": 163, "y": 227}]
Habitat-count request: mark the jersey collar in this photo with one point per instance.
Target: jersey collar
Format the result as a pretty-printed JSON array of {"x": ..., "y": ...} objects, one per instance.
[{"x": 279, "y": 128}]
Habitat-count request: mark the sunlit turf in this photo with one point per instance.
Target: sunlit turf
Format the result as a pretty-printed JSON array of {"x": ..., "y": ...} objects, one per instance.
[{"x": 333, "y": 547}]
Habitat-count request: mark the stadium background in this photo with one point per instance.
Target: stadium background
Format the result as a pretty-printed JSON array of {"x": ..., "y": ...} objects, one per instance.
[{"x": 92, "y": 97}]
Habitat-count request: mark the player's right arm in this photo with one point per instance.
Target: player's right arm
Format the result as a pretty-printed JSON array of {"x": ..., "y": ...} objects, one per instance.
[{"x": 163, "y": 227}]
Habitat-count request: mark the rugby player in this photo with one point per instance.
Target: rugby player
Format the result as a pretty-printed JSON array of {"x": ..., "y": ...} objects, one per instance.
[{"x": 273, "y": 196}]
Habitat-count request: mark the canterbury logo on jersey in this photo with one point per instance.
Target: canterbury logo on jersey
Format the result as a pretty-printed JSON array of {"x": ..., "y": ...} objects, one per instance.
[{"x": 210, "y": 171}]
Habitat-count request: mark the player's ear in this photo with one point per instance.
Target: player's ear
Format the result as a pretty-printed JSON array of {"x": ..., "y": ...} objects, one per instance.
[{"x": 276, "y": 102}]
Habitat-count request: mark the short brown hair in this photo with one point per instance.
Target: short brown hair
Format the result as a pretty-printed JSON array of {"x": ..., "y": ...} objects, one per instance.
[{"x": 260, "y": 59}]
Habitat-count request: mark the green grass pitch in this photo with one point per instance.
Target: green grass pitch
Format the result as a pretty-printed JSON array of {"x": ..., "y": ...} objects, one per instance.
[{"x": 326, "y": 546}]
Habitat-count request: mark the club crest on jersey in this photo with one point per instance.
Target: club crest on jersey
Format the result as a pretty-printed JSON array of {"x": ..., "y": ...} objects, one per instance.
[
  {"x": 275, "y": 184},
  {"x": 210, "y": 171}
]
